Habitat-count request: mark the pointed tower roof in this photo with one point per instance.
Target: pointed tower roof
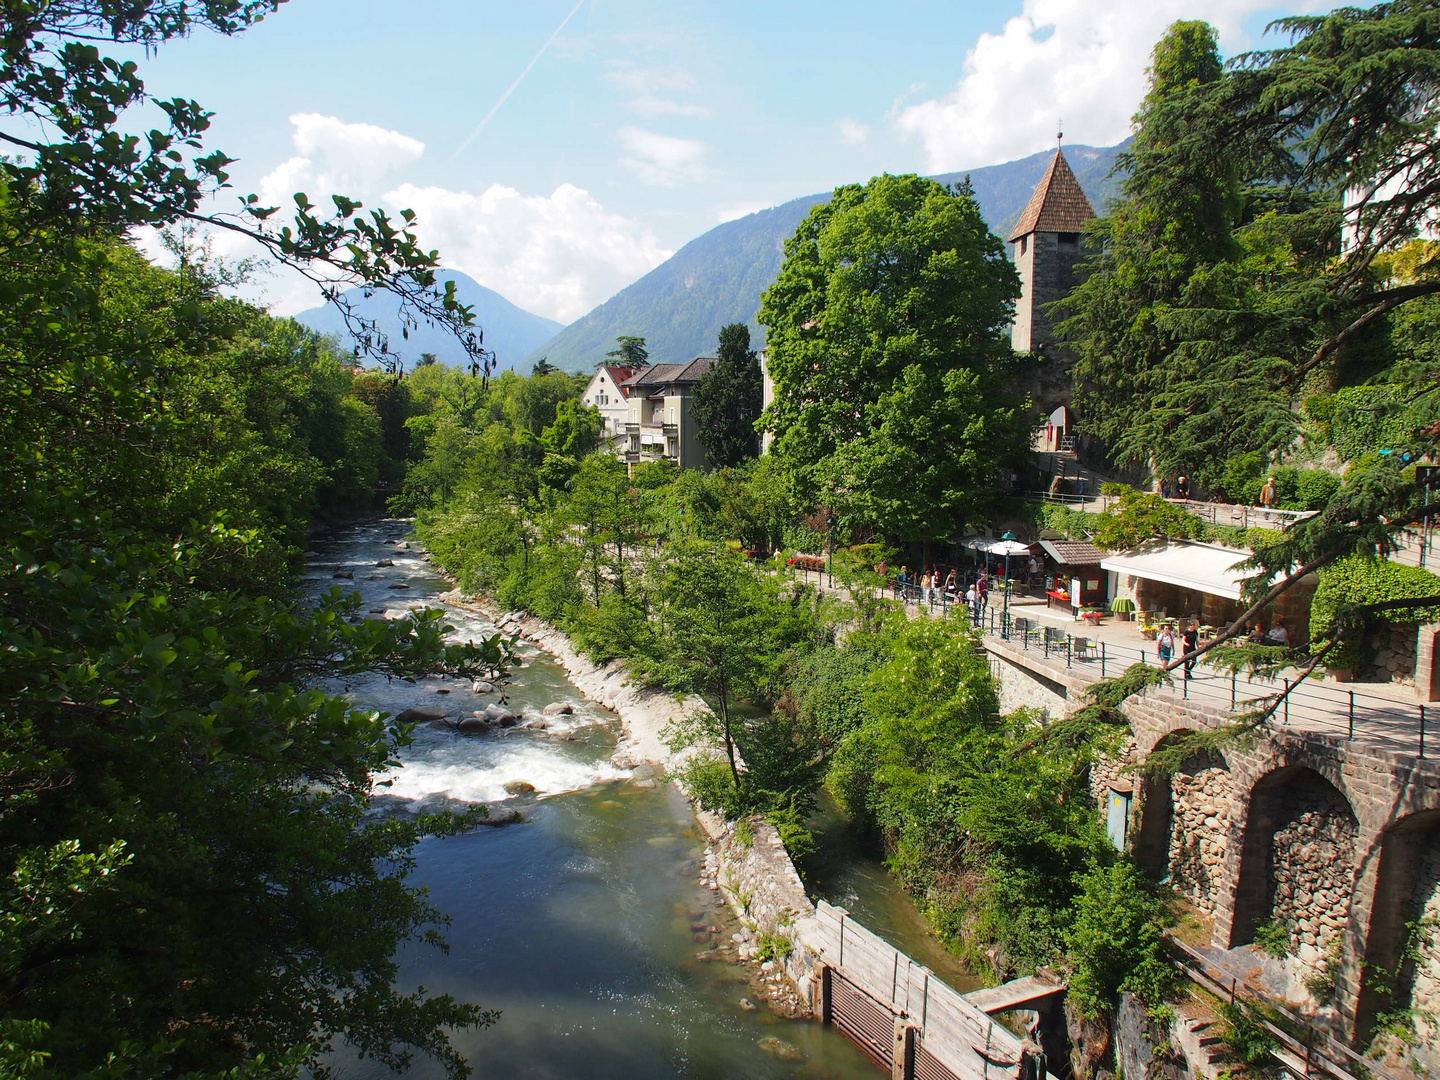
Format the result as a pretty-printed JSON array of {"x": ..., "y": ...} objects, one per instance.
[{"x": 1058, "y": 205}]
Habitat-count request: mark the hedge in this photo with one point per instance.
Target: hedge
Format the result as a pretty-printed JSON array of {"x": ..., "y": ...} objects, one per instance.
[{"x": 1366, "y": 579}]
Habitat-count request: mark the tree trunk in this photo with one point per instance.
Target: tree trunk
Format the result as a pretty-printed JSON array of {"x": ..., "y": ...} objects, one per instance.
[{"x": 724, "y": 702}]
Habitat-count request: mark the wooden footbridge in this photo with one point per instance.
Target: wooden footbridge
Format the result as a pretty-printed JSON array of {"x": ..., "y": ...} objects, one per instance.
[{"x": 910, "y": 1023}]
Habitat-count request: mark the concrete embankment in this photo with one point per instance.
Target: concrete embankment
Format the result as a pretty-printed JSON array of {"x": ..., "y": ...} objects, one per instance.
[{"x": 746, "y": 861}]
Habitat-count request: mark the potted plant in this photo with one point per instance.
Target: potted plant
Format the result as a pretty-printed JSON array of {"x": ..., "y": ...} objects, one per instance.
[
  {"x": 1123, "y": 608},
  {"x": 1148, "y": 629}
]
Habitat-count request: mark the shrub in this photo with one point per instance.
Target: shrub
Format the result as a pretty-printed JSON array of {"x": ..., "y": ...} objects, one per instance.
[
  {"x": 1367, "y": 419},
  {"x": 1273, "y": 939},
  {"x": 1361, "y": 579},
  {"x": 774, "y": 946},
  {"x": 1115, "y": 941}
]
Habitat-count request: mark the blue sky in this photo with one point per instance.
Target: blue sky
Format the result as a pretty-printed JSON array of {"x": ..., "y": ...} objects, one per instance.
[{"x": 643, "y": 123}]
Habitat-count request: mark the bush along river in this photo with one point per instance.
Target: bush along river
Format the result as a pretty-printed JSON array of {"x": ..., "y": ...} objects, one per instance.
[{"x": 585, "y": 923}]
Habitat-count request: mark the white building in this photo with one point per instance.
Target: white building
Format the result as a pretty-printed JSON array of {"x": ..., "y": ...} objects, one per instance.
[{"x": 646, "y": 411}]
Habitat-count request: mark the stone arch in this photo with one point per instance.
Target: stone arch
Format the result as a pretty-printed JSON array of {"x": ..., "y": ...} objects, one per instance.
[
  {"x": 1407, "y": 893},
  {"x": 1297, "y": 862},
  {"x": 1184, "y": 829}
]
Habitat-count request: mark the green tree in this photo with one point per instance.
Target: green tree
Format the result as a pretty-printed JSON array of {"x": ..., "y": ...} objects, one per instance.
[
  {"x": 727, "y": 400},
  {"x": 543, "y": 367},
  {"x": 75, "y": 166},
  {"x": 888, "y": 289},
  {"x": 629, "y": 351},
  {"x": 576, "y": 430}
]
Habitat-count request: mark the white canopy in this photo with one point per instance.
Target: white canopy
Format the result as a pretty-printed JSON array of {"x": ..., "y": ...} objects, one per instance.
[
  {"x": 1207, "y": 568},
  {"x": 992, "y": 546}
]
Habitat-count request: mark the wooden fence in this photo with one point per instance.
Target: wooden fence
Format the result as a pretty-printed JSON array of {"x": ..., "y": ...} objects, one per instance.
[{"x": 902, "y": 1016}]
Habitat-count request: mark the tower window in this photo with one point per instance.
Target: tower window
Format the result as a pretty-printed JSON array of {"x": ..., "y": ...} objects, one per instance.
[
  {"x": 1024, "y": 243},
  {"x": 1070, "y": 238}
]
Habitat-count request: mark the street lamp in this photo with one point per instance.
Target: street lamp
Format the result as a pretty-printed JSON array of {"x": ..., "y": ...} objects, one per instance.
[
  {"x": 1005, "y": 614},
  {"x": 830, "y": 548}
]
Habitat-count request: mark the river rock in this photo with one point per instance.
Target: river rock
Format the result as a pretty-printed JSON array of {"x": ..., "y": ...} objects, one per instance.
[
  {"x": 559, "y": 708},
  {"x": 501, "y": 717},
  {"x": 472, "y": 725},
  {"x": 519, "y": 787},
  {"x": 643, "y": 771},
  {"x": 500, "y": 815},
  {"x": 482, "y": 687},
  {"x": 399, "y": 585},
  {"x": 421, "y": 714},
  {"x": 348, "y": 575},
  {"x": 779, "y": 1048},
  {"x": 386, "y": 562},
  {"x": 537, "y": 725}
]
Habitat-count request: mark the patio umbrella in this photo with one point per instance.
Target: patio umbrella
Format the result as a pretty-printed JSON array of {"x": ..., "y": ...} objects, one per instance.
[{"x": 1008, "y": 548}]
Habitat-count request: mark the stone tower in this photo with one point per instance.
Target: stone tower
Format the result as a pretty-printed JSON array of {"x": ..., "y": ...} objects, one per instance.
[{"x": 1047, "y": 241}]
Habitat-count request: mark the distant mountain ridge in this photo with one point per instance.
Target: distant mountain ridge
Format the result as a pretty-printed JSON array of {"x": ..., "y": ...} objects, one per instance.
[
  {"x": 512, "y": 332},
  {"x": 718, "y": 277}
]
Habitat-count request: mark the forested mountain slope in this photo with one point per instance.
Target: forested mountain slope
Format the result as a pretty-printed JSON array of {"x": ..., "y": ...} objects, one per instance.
[{"x": 718, "y": 277}]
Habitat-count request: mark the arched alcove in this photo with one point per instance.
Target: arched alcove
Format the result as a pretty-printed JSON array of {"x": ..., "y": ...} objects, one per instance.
[
  {"x": 1402, "y": 955},
  {"x": 1297, "y": 864},
  {"x": 1183, "y": 833}
]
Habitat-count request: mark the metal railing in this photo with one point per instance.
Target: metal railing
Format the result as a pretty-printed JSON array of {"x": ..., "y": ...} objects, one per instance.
[{"x": 1312, "y": 706}]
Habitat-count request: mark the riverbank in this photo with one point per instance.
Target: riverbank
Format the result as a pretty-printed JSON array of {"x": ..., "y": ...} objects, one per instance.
[{"x": 745, "y": 862}]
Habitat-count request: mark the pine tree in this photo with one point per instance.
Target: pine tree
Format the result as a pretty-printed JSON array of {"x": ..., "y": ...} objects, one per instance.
[{"x": 728, "y": 399}]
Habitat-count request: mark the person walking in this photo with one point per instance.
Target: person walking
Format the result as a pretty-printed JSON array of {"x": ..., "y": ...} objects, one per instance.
[
  {"x": 972, "y": 604},
  {"x": 982, "y": 591},
  {"x": 1182, "y": 487},
  {"x": 925, "y": 586},
  {"x": 1165, "y": 646},
  {"x": 1190, "y": 641},
  {"x": 1267, "y": 496}
]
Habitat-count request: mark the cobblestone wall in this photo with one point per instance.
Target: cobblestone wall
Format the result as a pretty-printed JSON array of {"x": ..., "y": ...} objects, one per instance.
[
  {"x": 1311, "y": 865},
  {"x": 1425, "y": 980},
  {"x": 1202, "y": 799}
]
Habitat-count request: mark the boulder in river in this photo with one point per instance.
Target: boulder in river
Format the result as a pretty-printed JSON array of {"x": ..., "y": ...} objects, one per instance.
[
  {"x": 472, "y": 725},
  {"x": 496, "y": 715},
  {"x": 348, "y": 575},
  {"x": 779, "y": 1048},
  {"x": 400, "y": 585},
  {"x": 480, "y": 686},
  {"x": 386, "y": 562},
  {"x": 643, "y": 771},
  {"x": 500, "y": 815},
  {"x": 559, "y": 708},
  {"x": 421, "y": 714},
  {"x": 519, "y": 787},
  {"x": 537, "y": 725}
]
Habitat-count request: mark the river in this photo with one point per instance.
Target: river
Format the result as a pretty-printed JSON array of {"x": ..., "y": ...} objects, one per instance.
[{"x": 585, "y": 925}]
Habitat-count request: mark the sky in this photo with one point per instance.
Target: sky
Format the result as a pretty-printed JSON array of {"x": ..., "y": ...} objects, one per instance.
[{"x": 557, "y": 151}]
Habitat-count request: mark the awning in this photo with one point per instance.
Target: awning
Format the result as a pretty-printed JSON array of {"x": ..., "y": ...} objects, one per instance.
[
  {"x": 1206, "y": 568},
  {"x": 1072, "y": 552}
]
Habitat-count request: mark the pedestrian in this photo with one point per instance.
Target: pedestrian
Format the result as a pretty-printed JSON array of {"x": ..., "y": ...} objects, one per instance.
[
  {"x": 1182, "y": 487},
  {"x": 1165, "y": 646},
  {"x": 1279, "y": 635},
  {"x": 950, "y": 583},
  {"x": 982, "y": 591},
  {"x": 1190, "y": 641},
  {"x": 925, "y": 580},
  {"x": 972, "y": 603},
  {"x": 1267, "y": 496}
]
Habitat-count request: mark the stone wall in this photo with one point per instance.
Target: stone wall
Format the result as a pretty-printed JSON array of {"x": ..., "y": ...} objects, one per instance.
[
  {"x": 1310, "y": 876},
  {"x": 1202, "y": 795},
  {"x": 1392, "y": 655},
  {"x": 1425, "y": 971}
]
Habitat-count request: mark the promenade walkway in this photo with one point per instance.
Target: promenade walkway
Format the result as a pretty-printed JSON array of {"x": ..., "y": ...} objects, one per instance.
[{"x": 1388, "y": 714}]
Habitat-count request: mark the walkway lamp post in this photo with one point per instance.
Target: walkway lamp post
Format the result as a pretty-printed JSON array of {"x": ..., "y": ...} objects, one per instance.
[{"x": 830, "y": 549}]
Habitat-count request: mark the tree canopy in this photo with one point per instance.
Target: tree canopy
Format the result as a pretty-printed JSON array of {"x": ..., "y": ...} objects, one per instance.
[{"x": 889, "y": 350}]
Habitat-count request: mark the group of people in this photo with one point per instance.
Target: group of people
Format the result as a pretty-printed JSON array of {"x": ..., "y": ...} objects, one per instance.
[
  {"x": 1190, "y": 640},
  {"x": 934, "y": 586}
]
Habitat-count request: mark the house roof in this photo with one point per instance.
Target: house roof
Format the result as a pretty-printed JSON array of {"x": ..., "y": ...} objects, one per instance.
[
  {"x": 662, "y": 374},
  {"x": 1073, "y": 552},
  {"x": 619, "y": 374},
  {"x": 1058, "y": 204}
]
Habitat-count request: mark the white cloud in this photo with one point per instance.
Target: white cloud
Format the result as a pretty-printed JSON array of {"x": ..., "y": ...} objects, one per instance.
[
  {"x": 557, "y": 256},
  {"x": 662, "y": 160},
  {"x": 653, "y": 90},
  {"x": 853, "y": 132},
  {"x": 335, "y": 156},
  {"x": 1074, "y": 59}
]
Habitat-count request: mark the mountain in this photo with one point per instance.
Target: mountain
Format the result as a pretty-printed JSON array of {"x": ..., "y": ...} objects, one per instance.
[
  {"x": 717, "y": 278},
  {"x": 512, "y": 332}
]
